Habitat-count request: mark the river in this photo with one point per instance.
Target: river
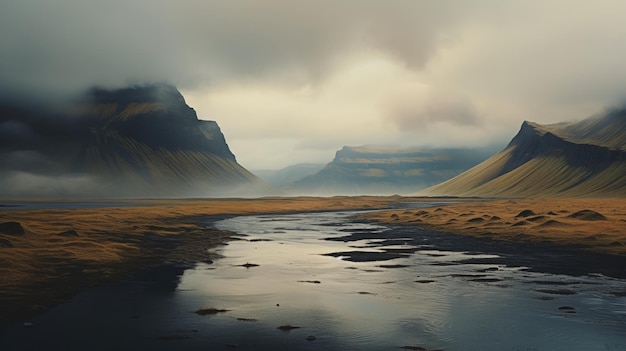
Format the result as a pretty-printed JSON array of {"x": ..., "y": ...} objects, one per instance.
[{"x": 333, "y": 283}]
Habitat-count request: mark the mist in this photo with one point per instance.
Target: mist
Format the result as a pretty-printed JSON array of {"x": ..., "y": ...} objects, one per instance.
[{"x": 293, "y": 81}]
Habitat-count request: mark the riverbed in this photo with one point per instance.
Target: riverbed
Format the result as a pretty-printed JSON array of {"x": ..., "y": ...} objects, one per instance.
[{"x": 314, "y": 281}]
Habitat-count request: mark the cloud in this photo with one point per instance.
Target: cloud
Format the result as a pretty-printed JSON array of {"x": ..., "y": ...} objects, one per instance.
[
  {"x": 418, "y": 106},
  {"x": 364, "y": 103},
  {"x": 70, "y": 44},
  {"x": 548, "y": 61},
  {"x": 32, "y": 185},
  {"x": 322, "y": 74},
  {"x": 551, "y": 50},
  {"x": 15, "y": 133}
]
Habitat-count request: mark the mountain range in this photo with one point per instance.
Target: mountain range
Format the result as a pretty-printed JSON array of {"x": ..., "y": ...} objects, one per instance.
[
  {"x": 145, "y": 141},
  {"x": 576, "y": 159},
  {"x": 141, "y": 141},
  {"x": 376, "y": 170}
]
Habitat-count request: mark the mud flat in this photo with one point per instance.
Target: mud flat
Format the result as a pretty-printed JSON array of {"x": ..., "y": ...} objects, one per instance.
[{"x": 594, "y": 224}]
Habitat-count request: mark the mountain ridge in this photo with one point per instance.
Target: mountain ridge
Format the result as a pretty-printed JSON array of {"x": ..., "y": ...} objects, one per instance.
[
  {"x": 385, "y": 170},
  {"x": 584, "y": 158},
  {"x": 131, "y": 142}
]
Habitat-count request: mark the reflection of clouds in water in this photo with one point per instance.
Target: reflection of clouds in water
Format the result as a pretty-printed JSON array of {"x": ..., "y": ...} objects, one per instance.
[
  {"x": 432, "y": 301},
  {"x": 471, "y": 298}
]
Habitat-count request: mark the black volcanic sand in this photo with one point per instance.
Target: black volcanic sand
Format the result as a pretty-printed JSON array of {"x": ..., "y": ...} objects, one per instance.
[{"x": 537, "y": 256}]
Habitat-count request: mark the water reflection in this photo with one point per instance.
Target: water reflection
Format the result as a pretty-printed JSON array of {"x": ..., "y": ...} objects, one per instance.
[
  {"x": 382, "y": 288},
  {"x": 347, "y": 286}
]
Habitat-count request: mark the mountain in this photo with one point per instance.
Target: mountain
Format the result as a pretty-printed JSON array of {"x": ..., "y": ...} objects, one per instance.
[
  {"x": 283, "y": 177},
  {"x": 577, "y": 159},
  {"x": 141, "y": 141},
  {"x": 384, "y": 170}
]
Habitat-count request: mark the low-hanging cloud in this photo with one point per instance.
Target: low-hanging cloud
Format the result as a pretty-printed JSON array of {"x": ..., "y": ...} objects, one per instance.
[
  {"x": 421, "y": 108},
  {"x": 485, "y": 65},
  {"x": 70, "y": 44}
]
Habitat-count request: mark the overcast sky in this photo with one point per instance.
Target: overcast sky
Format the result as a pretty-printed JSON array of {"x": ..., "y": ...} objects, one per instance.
[{"x": 292, "y": 81}]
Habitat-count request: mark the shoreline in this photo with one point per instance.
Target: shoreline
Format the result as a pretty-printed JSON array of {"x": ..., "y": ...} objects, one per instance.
[
  {"x": 48, "y": 256},
  {"x": 597, "y": 225},
  {"x": 61, "y": 252}
]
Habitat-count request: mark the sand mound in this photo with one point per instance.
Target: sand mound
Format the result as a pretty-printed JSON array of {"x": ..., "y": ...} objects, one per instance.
[
  {"x": 588, "y": 215},
  {"x": 552, "y": 223},
  {"x": 518, "y": 224},
  {"x": 475, "y": 220},
  {"x": 11, "y": 228},
  {"x": 536, "y": 218},
  {"x": 525, "y": 213}
]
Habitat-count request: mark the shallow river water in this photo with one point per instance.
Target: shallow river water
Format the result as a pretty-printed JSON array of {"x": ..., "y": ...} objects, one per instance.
[{"x": 347, "y": 285}]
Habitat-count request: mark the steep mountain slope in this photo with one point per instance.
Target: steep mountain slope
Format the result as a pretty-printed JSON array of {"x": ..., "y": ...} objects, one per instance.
[
  {"x": 139, "y": 141},
  {"x": 586, "y": 158},
  {"x": 378, "y": 170}
]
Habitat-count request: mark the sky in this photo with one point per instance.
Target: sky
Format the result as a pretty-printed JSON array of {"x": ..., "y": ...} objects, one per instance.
[{"x": 293, "y": 81}]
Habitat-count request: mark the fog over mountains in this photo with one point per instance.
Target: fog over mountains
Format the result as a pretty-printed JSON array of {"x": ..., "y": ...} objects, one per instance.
[
  {"x": 145, "y": 141},
  {"x": 585, "y": 158},
  {"x": 141, "y": 141},
  {"x": 377, "y": 170}
]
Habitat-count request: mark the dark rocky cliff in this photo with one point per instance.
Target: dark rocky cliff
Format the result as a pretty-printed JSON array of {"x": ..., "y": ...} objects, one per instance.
[
  {"x": 137, "y": 141},
  {"x": 532, "y": 142}
]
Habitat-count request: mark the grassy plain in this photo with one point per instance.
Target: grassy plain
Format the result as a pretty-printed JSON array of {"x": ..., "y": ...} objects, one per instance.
[
  {"x": 594, "y": 224},
  {"x": 47, "y": 256}
]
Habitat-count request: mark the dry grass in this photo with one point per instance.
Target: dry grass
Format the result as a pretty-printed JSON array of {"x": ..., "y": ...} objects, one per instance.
[
  {"x": 543, "y": 176},
  {"x": 561, "y": 221},
  {"x": 63, "y": 251}
]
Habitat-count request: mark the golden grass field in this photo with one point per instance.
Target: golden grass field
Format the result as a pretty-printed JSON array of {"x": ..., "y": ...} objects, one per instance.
[
  {"x": 61, "y": 252},
  {"x": 595, "y": 224}
]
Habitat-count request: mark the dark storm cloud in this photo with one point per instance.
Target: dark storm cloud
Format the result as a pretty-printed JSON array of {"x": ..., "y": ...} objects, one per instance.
[
  {"x": 312, "y": 72},
  {"x": 13, "y": 132},
  {"x": 58, "y": 46}
]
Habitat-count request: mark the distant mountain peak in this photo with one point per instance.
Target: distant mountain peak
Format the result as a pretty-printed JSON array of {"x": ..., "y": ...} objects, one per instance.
[
  {"x": 379, "y": 169},
  {"x": 142, "y": 140},
  {"x": 155, "y": 100},
  {"x": 584, "y": 158}
]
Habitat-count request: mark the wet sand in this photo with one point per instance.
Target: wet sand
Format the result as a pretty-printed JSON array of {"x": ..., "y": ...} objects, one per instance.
[
  {"x": 47, "y": 256},
  {"x": 594, "y": 224}
]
